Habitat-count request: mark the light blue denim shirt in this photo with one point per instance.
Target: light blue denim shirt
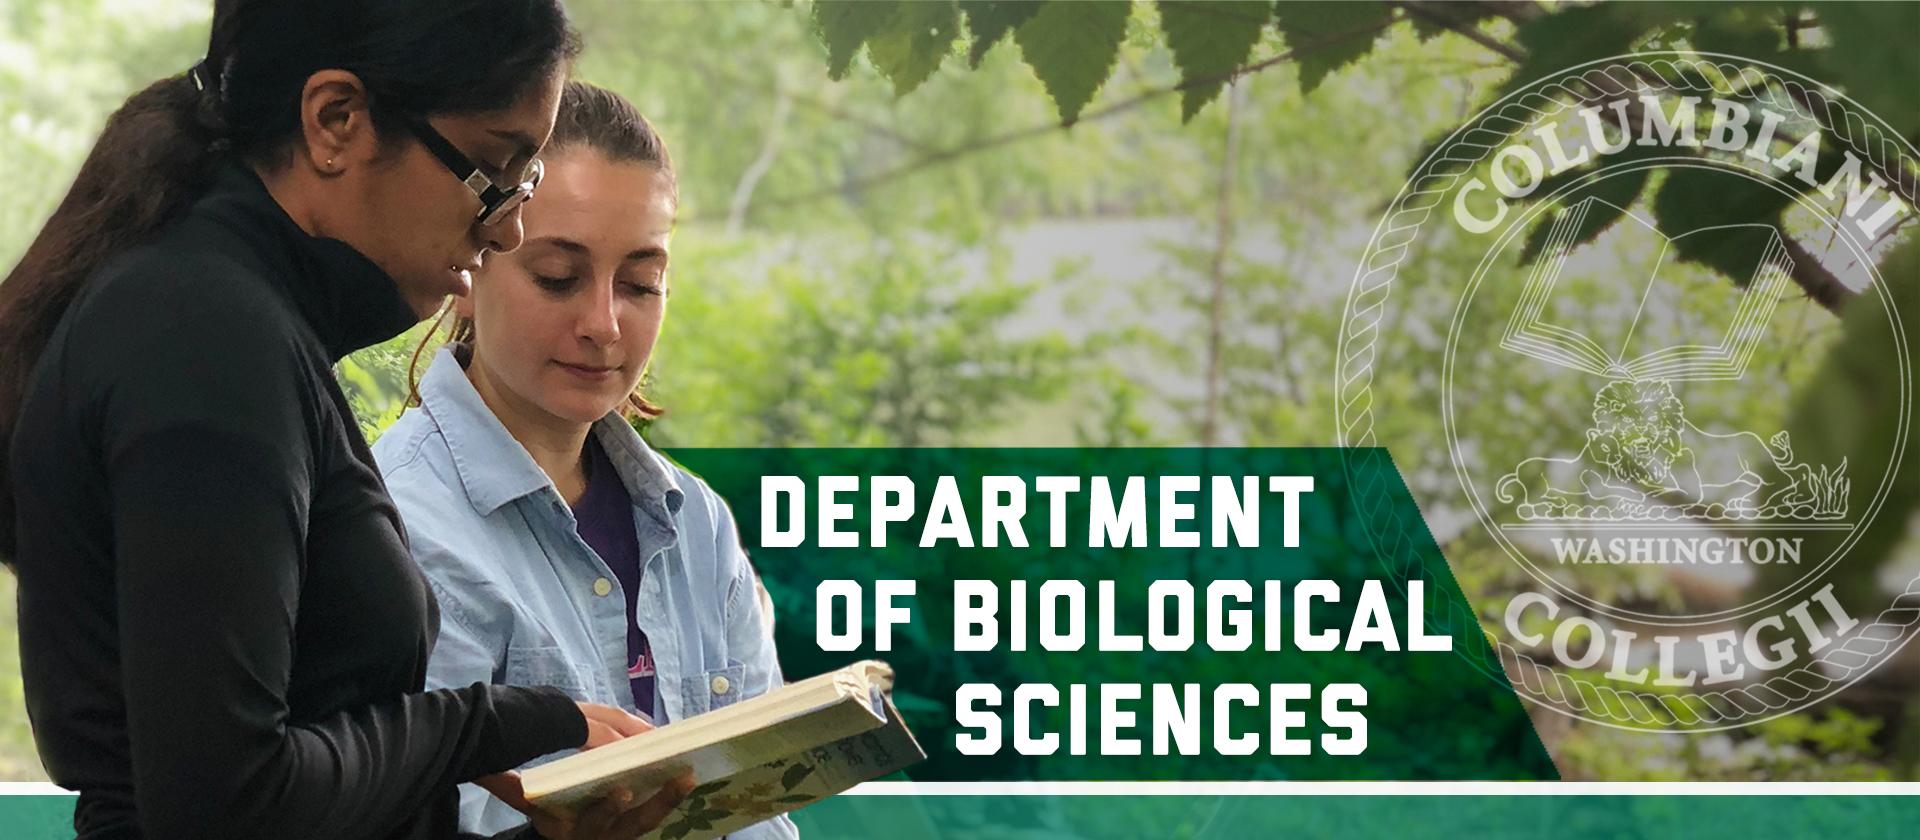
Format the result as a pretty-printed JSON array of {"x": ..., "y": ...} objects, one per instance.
[{"x": 525, "y": 601}]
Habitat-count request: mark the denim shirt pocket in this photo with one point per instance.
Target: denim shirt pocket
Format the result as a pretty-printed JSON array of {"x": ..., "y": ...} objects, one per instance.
[
  {"x": 714, "y": 688},
  {"x": 546, "y": 666}
]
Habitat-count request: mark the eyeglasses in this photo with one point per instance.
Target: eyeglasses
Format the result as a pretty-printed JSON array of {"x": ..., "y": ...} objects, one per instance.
[{"x": 495, "y": 201}]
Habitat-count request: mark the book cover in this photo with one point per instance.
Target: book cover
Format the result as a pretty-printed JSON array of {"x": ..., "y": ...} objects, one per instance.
[
  {"x": 749, "y": 762},
  {"x": 791, "y": 782}
]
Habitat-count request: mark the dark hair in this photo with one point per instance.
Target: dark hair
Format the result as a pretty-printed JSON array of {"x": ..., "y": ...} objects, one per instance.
[
  {"x": 593, "y": 118},
  {"x": 158, "y": 151}
]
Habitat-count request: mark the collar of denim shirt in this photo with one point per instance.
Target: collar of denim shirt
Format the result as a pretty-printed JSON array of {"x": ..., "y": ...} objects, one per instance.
[{"x": 495, "y": 469}]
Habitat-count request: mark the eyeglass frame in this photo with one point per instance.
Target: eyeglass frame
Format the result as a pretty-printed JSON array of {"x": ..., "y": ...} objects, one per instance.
[{"x": 495, "y": 201}]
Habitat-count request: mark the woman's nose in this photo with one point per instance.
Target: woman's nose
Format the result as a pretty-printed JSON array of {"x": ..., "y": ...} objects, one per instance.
[
  {"x": 504, "y": 235},
  {"x": 600, "y": 323}
]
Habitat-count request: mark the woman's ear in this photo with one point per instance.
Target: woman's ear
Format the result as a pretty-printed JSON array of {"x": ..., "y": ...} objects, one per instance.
[{"x": 336, "y": 123}]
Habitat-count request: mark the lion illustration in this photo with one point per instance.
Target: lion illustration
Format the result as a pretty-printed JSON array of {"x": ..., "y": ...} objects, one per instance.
[{"x": 1644, "y": 459}]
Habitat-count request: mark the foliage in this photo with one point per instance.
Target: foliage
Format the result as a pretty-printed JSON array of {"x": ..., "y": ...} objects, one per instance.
[
  {"x": 1845, "y": 45},
  {"x": 909, "y": 249},
  {"x": 1070, "y": 47}
]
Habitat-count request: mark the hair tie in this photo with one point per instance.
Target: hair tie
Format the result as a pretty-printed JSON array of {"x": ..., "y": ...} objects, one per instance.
[
  {"x": 202, "y": 78},
  {"x": 206, "y": 85}
]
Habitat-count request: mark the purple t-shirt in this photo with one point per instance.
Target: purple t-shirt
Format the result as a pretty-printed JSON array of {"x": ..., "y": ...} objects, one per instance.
[{"x": 604, "y": 518}]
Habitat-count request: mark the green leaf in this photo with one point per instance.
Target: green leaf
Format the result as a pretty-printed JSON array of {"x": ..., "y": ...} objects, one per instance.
[
  {"x": 1072, "y": 47},
  {"x": 914, "y": 42},
  {"x": 844, "y": 25},
  {"x": 1872, "y": 61},
  {"x": 1572, "y": 37},
  {"x": 1754, "y": 31},
  {"x": 1846, "y": 412},
  {"x": 990, "y": 20},
  {"x": 1740, "y": 30},
  {"x": 1691, "y": 199},
  {"x": 1325, "y": 37},
  {"x": 1209, "y": 39},
  {"x": 1618, "y": 191},
  {"x": 1433, "y": 18}
]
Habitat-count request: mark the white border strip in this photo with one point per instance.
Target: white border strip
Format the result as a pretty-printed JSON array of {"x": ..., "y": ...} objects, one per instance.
[
  {"x": 33, "y": 789},
  {"x": 1386, "y": 789},
  {"x": 1310, "y": 789}
]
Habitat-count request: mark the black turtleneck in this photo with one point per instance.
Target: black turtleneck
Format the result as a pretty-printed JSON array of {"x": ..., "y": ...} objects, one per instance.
[{"x": 221, "y": 632}]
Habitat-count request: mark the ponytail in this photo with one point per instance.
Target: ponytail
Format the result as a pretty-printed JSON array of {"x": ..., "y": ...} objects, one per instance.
[
  {"x": 157, "y": 153},
  {"x": 153, "y": 159}
]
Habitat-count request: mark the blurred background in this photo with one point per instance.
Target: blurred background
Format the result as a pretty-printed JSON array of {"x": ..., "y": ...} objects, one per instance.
[{"x": 1118, "y": 224}]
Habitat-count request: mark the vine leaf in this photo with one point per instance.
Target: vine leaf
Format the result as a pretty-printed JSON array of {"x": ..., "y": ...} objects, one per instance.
[
  {"x": 1325, "y": 36},
  {"x": 1570, "y": 37},
  {"x": 1619, "y": 190},
  {"x": 1747, "y": 213},
  {"x": 1072, "y": 48},
  {"x": 844, "y": 25},
  {"x": 1618, "y": 193},
  {"x": 1209, "y": 39},
  {"x": 1868, "y": 59},
  {"x": 990, "y": 20},
  {"x": 1845, "y": 412},
  {"x": 1749, "y": 32},
  {"x": 1432, "y": 19},
  {"x": 913, "y": 43}
]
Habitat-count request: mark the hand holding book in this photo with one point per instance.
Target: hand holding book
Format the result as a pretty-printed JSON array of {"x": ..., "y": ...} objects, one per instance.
[
  {"x": 750, "y": 761},
  {"x": 613, "y": 816}
]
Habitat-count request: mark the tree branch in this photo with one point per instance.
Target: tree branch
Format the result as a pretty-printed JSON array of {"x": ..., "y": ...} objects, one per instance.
[
  {"x": 749, "y": 179},
  {"x": 1442, "y": 15},
  {"x": 1820, "y": 284},
  {"x": 1217, "y": 268},
  {"x": 870, "y": 124},
  {"x": 948, "y": 155}
]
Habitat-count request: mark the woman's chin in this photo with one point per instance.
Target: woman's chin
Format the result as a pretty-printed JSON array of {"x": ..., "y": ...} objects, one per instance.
[{"x": 582, "y": 411}]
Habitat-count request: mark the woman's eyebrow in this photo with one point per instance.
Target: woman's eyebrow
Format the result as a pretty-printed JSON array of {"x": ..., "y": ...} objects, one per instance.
[
  {"x": 523, "y": 142},
  {"x": 573, "y": 247},
  {"x": 561, "y": 243}
]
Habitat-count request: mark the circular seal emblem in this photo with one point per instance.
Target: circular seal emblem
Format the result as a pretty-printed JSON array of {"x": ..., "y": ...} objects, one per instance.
[{"x": 1627, "y": 270}]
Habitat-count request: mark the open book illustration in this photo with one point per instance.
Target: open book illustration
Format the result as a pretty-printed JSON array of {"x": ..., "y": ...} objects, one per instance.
[
  {"x": 750, "y": 761},
  {"x": 1644, "y": 459},
  {"x": 1530, "y": 333}
]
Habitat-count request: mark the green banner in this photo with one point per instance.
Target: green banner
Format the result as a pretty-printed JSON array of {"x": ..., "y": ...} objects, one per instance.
[
  {"x": 1134, "y": 554},
  {"x": 1036, "y": 817}
]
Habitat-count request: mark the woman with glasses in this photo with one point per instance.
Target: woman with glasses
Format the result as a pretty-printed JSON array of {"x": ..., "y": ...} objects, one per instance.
[
  {"x": 222, "y": 634},
  {"x": 565, "y": 551}
]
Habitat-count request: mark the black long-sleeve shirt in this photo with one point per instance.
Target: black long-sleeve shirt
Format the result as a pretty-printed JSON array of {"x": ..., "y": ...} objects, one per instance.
[{"x": 221, "y": 632}]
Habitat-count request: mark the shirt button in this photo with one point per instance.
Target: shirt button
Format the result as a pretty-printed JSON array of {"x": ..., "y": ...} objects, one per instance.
[
  {"x": 721, "y": 684},
  {"x": 602, "y": 586}
]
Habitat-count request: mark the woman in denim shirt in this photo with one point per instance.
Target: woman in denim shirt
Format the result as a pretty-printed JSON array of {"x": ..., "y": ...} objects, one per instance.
[{"x": 564, "y": 551}]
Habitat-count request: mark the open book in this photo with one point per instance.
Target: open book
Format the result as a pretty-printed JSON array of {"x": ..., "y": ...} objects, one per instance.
[
  {"x": 1634, "y": 354},
  {"x": 750, "y": 761}
]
